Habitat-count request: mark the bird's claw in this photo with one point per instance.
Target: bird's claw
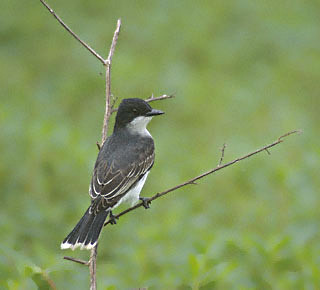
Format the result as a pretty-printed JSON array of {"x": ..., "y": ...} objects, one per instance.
[
  {"x": 113, "y": 219},
  {"x": 145, "y": 202}
]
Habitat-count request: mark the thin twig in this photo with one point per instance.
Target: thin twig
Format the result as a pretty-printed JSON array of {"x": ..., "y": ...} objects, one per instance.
[
  {"x": 114, "y": 100},
  {"x": 108, "y": 82},
  {"x": 76, "y": 260},
  {"x": 289, "y": 133},
  {"x": 66, "y": 27},
  {"x": 149, "y": 100},
  {"x": 222, "y": 153},
  {"x": 219, "y": 167},
  {"x": 163, "y": 97}
]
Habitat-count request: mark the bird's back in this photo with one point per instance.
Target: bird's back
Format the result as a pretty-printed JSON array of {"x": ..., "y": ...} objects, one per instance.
[
  {"x": 122, "y": 161},
  {"x": 123, "y": 149}
]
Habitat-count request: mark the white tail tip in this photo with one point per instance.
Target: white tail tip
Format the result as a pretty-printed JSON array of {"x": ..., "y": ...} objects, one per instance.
[{"x": 67, "y": 245}]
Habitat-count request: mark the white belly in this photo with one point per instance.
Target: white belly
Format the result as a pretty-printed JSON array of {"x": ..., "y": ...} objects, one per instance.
[{"x": 132, "y": 196}]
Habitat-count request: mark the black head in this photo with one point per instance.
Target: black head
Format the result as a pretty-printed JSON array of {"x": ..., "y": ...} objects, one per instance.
[{"x": 132, "y": 108}]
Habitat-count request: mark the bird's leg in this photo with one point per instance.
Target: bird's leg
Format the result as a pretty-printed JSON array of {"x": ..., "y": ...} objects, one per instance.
[
  {"x": 113, "y": 219},
  {"x": 145, "y": 202}
]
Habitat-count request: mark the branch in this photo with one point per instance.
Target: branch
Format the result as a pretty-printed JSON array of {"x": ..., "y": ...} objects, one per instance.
[
  {"x": 219, "y": 167},
  {"x": 94, "y": 251},
  {"x": 163, "y": 97},
  {"x": 108, "y": 83},
  {"x": 66, "y": 27},
  {"x": 76, "y": 260},
  {"x": 222, "y": 153},
  {"x": 93, "y": 267},
  {"x": 149, "y": 100}
]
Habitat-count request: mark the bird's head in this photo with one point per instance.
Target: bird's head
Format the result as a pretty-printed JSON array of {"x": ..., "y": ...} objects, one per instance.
[{"x": 135, "y": 114}]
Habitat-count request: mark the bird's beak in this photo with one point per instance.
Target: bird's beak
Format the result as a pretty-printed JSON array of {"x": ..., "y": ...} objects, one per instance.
[{"x": 154, "y": 112}]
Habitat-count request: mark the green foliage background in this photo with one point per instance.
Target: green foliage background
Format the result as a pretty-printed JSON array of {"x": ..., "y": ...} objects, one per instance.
[{"x": 243, "y": 72}]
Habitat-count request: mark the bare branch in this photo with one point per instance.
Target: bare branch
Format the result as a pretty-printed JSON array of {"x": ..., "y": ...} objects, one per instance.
[
  {"x": 163, "y": 97},
  {"x": 94, "y": 251},
  {"x": 149, "y": 100},
  {"x": 108, "y": 83},
  {"x": 114, "y": 42},
  {"x": 222, "y": 153},
  {"x": 289, "y": 133},
  {"x": 76, "y": 260},
  {"x": 219, "y": 167},
  {"x": 93, "y": 268},
  {"x": 267, "y": 151},
  {"x": 66, "y": 27},
  {"x": 114, "y": 100}
]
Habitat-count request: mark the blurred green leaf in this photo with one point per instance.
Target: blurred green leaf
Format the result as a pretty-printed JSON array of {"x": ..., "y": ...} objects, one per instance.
[
  {"x": 40, "y": 281},
  {"x": 208, "y": 286},
  {"x": 194, "y": 265}
]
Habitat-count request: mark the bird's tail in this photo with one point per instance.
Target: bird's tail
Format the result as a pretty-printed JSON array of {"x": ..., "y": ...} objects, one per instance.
[{"x": 86, "y": 233}]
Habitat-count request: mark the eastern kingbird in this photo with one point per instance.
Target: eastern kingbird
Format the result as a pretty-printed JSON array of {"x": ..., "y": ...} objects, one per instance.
[{"x": 121, "y": 169}]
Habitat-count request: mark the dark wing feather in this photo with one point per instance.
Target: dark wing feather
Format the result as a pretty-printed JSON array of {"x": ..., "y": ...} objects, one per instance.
[{"x": 112, "y": 181}]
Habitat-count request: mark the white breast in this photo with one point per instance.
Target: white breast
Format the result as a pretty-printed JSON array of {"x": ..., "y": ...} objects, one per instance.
[
  {"x": 139, "y": 126},
  {"x": 132, "y": 196}
]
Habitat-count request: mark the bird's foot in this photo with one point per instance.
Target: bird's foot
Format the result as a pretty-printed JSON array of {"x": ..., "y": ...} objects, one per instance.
[
  {"x": 113, "y": 219},
  {"x": 145, "y": 202}
]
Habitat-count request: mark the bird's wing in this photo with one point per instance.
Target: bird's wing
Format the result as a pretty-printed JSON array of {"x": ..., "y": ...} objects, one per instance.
[{"x": 112, "y": 180}]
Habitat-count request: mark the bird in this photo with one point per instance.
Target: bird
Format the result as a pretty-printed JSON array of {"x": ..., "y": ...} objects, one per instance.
[{"x": 120, "y": 171}]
